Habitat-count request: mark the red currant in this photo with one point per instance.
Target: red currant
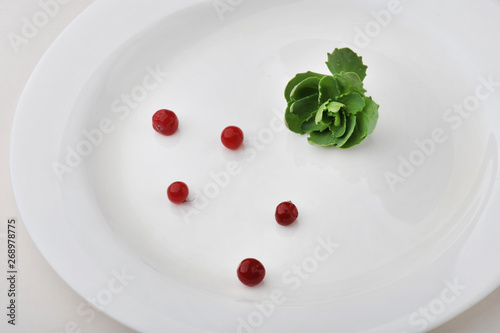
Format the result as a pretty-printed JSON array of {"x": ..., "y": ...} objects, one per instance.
[
  {"x": 165, "y": 122},
  {"x": 177, "y": 192},
  {"x": 286, "y": 213},
  {"x": 251, "y": 272},
  {"x": 232, "y": 137}
]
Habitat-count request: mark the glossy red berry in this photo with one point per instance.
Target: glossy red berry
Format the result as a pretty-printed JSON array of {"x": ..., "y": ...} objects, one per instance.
[
  {"x": 286, "y": 213},
  {"x": 165, "y": 122},
  {"x": 177, "y": 192},
  {"x": 251, "y": 272},
  {"x": 232, "y": 137}
]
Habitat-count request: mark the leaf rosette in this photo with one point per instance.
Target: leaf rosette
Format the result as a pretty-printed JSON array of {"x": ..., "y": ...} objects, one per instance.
[{"x": 333, "y": 109}]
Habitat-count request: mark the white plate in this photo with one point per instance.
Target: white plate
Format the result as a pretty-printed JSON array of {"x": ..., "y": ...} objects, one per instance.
[{"x": 409, "y": 214}]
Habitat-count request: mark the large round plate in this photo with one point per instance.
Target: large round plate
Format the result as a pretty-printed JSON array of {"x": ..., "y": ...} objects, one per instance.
[{"x": 398, "y": 234}]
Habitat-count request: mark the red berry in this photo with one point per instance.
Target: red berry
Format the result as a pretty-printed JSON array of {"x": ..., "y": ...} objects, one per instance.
[
  {"x": 232, "y": 137},
  {"x": 177, "y": 192},
  {"x": 165, "y": 122},
  {"x": 286, "y": 213},
  {"x": 251, "y": 272}
]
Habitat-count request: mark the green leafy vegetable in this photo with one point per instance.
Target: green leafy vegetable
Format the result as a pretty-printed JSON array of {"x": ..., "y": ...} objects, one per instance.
[
  {"x": 346, "y": 61},
  {"x": 333, "y": 109}
]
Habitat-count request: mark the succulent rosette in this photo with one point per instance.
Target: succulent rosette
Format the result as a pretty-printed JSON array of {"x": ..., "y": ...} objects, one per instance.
[{"x": 333, "y": 109}]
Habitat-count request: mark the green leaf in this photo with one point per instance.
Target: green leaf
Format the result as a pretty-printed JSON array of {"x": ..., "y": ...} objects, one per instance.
[
  {"x": 350, "y": 82},
  {"x": 358, "y": 135},
  {"x": 328, "y": 89},
  {"x": 350, "y": 125},
  {"x": 296, "y": 80},
  {"x": 347, "y": 61},
  {"x": 293, "y": 121},
  {"x": 338, "y": 126},
  {"x": 311, "y": 125},
  {"x": 306, "y": 87},
  {"x": 324, "y": 138},
  {"x": 369, "y": 116},
  {"x": 366, "y": 123},
  {"x": 334, "y": 107},
  {"x": 304, "y": 107},
  {"x": 353, "y": 103},
  {"x": 330, "y": 107},
  {"x": 319, "y": 113},
  {"x": 298, "y": 112}
]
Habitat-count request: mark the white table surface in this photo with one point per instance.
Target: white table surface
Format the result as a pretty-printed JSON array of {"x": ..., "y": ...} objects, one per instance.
[{"x": 44, "y": 302}]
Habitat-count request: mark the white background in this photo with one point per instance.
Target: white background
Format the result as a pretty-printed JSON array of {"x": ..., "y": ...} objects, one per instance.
[{"x": 44, "y": 303}]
